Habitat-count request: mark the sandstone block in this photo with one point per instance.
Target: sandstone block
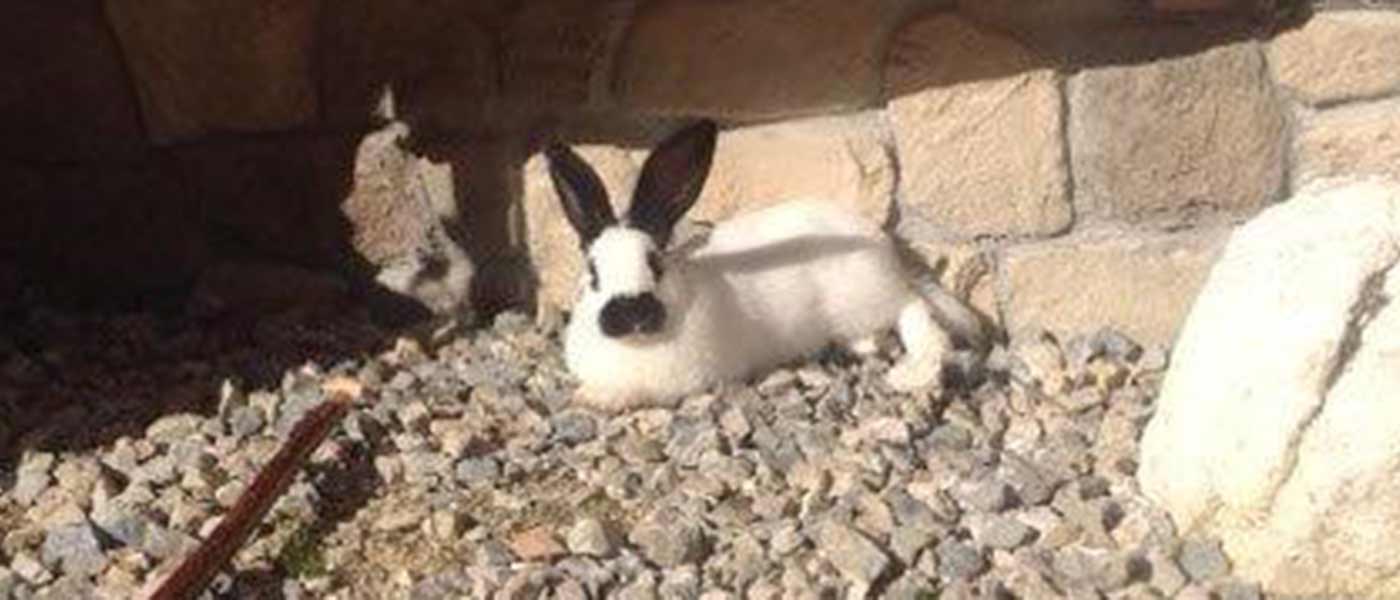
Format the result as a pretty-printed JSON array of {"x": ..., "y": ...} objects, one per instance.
[
  {"x": 841, "y": 159},
  {"x": 556, "y": 52},
  {"x": 202, "y": 66},
  {"x": 797, "y": 57},
  {"x": 65, "y": 94},
  {"x": 1339, "y": 56},
  {"x": 978, "y": 133},
  {"x": 1353, "y": 140},
  {"x": 1141, "y": 284},
  {"x": 1276, "y": 426},
  {"x": 1177, "y": 141},
  {"x": 432, "y": 59}
]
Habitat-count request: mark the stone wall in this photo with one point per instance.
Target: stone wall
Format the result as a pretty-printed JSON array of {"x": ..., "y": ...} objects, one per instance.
[
  {"x": 1092, "y": 153},
  {"x": 1098, "y": 192}
]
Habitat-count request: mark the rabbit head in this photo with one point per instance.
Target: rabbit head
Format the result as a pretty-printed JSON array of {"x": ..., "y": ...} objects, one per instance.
[{"x": 626, "y": 260}]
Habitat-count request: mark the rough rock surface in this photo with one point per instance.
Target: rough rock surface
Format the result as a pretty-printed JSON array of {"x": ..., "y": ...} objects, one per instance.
[
  {"x": 1350, "y": 140},
  {"x": 955, "y": 91},
  {"x": 680, "y": 57},
  {"x": 1081, "y": 281},
  {"x": 1148, "y": 141},
  {"x": 87, "y": 108},
  {"x": 1277, "y": 429},
  {"x": 204, "y": 67},
  {"x": 1340, "y": 56}
]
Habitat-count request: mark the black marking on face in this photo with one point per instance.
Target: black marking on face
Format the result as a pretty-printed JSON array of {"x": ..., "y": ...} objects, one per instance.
[
  {"x": 655, "y": 264},
  {"x": 592, "y": 275},
  {"x": 628, "y": 315}
]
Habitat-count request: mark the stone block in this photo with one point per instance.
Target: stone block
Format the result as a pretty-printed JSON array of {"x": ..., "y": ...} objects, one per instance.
[
  {"x": 433, "y": 60},
  {"x": 977, "y": 123},
  {"x": 203, "y": 66},
  {"x": 65, "y": 94},
  {"x": 1352, "y": 140},
  {"x": 1340, "y": 56},
  {"x": 556, "y": 53},
  {"x": 1177, "y": 141},
  {"x": 1139, "y": 283},
  {"x": 753, "y": 59},
  {"x": 841, "y": 159}
]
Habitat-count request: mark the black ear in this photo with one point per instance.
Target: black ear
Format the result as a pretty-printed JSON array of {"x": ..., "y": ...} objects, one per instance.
[
  {"x": 671, "y": 180},
  {"x": 582, "y": 194}
]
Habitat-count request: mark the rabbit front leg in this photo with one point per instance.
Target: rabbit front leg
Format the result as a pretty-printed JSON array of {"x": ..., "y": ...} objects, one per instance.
[
  {"x": 603, "y": 400},
  {"x": 925, "y": 345},
  {"x": 865, "y": 346},
  {"x": 613, "y": 402}
]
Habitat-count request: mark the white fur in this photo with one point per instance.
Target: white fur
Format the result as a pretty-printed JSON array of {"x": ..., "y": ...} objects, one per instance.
[{"x": 766, "y": 288}]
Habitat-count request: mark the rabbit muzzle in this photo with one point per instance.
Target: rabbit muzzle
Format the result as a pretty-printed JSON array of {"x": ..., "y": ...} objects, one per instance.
[{"x": 629, "y": 315}]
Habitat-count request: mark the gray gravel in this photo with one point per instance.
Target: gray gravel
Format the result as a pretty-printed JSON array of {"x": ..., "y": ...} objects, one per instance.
[{"x": 465, "y": 472}]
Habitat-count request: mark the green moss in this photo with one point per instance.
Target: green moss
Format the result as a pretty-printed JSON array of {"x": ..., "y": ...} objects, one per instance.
[{"x": 301, "y": 556}]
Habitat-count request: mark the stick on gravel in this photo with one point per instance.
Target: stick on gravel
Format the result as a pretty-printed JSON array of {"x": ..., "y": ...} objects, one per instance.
[{"x": 199, "y": 568}]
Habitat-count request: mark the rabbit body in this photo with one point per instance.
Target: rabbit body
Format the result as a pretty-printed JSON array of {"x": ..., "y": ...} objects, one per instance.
[
  {"x": 654, "y": 323},
  {"x": 767, "y": 287}
]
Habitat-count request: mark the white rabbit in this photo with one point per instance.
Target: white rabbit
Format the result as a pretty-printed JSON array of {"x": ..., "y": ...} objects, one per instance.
[{"x": 764, "y": 288}]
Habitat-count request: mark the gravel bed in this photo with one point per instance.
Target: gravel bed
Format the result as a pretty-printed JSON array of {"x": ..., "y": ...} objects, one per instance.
[{"x": 464, "y": 472}]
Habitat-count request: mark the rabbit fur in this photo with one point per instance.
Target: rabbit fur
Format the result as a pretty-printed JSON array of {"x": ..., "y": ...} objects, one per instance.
[{"x": 654, "y": 323}]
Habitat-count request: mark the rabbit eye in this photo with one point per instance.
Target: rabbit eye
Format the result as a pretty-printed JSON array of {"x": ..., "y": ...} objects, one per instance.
[
  {"x": 592, "y": 275},
  {"x": 654, "y": 262}
]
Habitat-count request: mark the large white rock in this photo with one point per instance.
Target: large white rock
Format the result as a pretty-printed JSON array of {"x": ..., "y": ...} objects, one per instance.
[{"x": 1278, "y": 426}]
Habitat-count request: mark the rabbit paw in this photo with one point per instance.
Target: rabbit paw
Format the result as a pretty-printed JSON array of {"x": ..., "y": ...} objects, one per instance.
[
  {"x": 866, "y": 346},
  {"x": 913, "y": 374},
  {"x": 603, "y": 400}
]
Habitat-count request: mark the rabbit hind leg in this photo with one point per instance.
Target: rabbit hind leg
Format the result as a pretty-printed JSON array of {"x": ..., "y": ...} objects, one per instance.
[
  {"x": 925, "y": 345},
  {"x": 864, "y": 346}
]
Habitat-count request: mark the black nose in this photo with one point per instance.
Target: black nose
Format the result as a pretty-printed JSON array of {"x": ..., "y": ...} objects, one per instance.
[{"x": 625, "y": 315}]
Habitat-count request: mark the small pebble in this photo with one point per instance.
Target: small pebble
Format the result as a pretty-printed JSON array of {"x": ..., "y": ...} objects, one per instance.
[
  {"x": 987, "y": 495},
  {"x": 669, "y": 539},
  {"x": 591, "y": 538},
  {"x": 1239, "y": 590},
  {"x": 537, "y": 543},
  {"x": 1000, "y": 531},
  {"x": 478, "y": 471},
  {"x": 853, "y": 554},
  {"x": 30, "y": 569},
  {"x": 1202, "y": 560},
  {"x": 959, "y": 561}
]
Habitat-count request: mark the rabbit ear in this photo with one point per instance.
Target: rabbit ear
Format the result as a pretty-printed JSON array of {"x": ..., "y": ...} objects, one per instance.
[
  {"x": 671, "y": 180},
  {"x": 580, "y": 191}
]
